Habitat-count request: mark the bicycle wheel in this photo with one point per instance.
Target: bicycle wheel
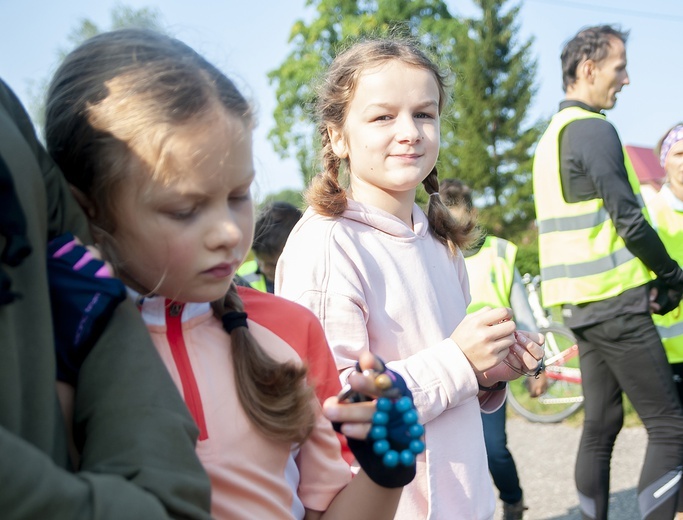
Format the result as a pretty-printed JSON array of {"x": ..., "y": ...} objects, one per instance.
[{"x": 564, "y": 395}]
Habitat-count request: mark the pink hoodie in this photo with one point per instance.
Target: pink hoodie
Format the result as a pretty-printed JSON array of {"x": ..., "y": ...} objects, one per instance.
[{"x": 377, "y": 285}]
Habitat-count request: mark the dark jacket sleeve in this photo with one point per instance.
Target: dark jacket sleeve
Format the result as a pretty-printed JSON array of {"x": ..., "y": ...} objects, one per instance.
[
  {"x": 598, "y": 150},
  {"x": 136, "y": 436}
]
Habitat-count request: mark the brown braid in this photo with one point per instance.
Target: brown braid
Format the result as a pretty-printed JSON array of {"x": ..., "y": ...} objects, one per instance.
[
  {"x": 325, "y": 194},
  {"x": 274, "y": 395},
  {"x": 458, "y": 233}
]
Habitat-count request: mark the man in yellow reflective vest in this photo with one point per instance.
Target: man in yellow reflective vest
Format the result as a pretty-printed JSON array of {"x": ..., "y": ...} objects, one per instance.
[
  {"x": 496, "y": 282},
  {"x": 596, "y": 252}
]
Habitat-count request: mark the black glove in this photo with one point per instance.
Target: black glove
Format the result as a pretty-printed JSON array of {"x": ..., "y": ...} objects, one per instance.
[
  {"x": 83, "y": 296},
  {"x": 668, "y": 298},
  {"x": 398, "y": 434}
]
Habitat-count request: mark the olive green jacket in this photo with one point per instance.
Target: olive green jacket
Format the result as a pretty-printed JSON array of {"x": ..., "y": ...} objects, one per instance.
[{"x": 135, "y": 435}]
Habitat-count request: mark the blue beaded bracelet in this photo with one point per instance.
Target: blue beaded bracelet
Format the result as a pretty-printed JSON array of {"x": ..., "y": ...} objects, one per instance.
[{"x": 382, "y": 446}]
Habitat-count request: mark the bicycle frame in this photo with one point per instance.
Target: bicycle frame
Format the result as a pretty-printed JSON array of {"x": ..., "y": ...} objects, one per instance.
[{"x": 555, "y": 369}]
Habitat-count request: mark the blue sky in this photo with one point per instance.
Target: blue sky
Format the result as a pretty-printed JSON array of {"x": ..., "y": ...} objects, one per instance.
[{"x": 249, "y": 38}]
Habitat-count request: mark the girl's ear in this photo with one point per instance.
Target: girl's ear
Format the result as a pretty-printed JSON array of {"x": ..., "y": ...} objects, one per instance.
[
  {"x": 338, "y": 142},
  {"x": 83, "y": 201},
  {"x": 89, "y": 209}
]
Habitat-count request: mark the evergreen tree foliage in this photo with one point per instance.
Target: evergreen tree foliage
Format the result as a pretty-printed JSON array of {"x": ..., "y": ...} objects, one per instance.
[
  {"x": 314, "y": 46},
  {"x": 486, "y": 139},
  {"x": 485, "y": 142}
]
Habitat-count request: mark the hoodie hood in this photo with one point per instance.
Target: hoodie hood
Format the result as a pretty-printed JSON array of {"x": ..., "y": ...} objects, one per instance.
[{"x": 386, "y": 222}]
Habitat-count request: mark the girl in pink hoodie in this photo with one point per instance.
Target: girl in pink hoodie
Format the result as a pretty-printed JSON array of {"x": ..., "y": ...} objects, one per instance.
[{"x": 384, "y": 277}]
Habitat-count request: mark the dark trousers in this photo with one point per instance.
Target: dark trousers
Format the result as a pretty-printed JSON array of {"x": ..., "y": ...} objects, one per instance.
[
  {"x": 677, "y": 369},
  {"x": 625, "y": 354},
  {"x": 501, "y": 464}
]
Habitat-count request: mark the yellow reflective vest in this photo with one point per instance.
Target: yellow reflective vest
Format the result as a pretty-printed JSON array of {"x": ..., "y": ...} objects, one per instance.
[
  {"x": 669, "y": 225},
  {"x": 581, "y": 256},
  {"x": 491, "y": 271},
  {"x": 250, "y": 274}
]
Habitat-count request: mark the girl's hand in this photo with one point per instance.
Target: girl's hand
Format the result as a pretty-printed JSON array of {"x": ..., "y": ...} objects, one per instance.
[
  {"x": 94, "y": 250},
  {"x": 524, "y": 357},
  {"x": 83, "y": 296},
  {"x": 485, "y": 337},
  {"x": 383, "y": 434},
  {"x": 356, "y": 418},
  {"x": 527, "y": 351}
]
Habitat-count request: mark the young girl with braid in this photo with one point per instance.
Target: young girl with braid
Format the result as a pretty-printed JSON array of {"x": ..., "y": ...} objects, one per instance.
[
  {"x": 386, "y": 278},
  {"x": 157, "y": 145}
]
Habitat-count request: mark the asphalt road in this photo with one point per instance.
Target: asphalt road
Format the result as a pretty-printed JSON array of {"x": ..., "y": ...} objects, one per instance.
[{"x": 545, "y": 455}]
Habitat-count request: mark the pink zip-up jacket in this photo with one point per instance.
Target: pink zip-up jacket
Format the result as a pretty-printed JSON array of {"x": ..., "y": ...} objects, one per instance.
[
  {"x": 251, "y": 476},
  {"x": 377, "y": 285}
]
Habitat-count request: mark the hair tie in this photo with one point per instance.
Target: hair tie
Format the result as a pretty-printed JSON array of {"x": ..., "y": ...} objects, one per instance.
[
  {"x": 435, "y": 194},
  {"x": 233, "y": 319},
  {"x": 674, "y": 135}
]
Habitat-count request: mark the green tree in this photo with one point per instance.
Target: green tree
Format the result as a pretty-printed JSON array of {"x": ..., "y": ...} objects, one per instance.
[
  {"x": 485, "y": 142},
  {"x": 315, "y": 45},
  {"x": 486, "y": 139},
  {"x": 121, "y": 16}
]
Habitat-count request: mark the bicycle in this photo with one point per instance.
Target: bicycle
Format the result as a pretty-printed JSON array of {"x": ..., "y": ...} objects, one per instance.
[{"x": 564, "y": 395}]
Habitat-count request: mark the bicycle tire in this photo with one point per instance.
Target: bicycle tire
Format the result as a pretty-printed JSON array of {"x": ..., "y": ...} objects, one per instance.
[{"x": 564, "y": 396}]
